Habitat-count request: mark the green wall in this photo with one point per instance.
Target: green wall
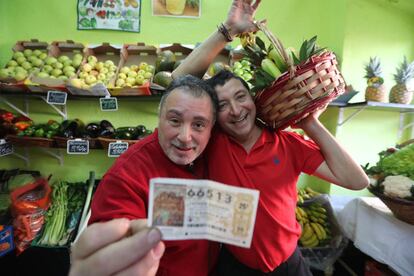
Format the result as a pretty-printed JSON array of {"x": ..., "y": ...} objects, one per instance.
[{"x": 354, "y": 29}]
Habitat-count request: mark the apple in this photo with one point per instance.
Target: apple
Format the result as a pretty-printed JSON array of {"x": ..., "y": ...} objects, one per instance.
[
  {"x": 92, "y": 59},
  {"x": 27, "y": 52},
  {"x": 150, "y": 68},
  {"x": 139, "y": 79},
  {"x": 20, "y": 60},
  {"x": 99, "y": 65},
  {"x": 76, "y": 82},
  {"x": 43, "y": 56},
  {"x": 125, "y": 69},
  {"x": 90, "y": 79},
  {"x": 94, "y": 73},
  {"x": 120, "y": 82},
  {"x": 143, "y": 66},
  {"x": 104, "y": 70},
  {"x": 4, "y": 73},
  {"x": 19, "y": 76},
  {"x": 109, "y": 63},
  {"x": 86, "y": 67},
  {"x": 69, "y": 74},
  {"x": 83, "y": 75},
  {"x": 101, "y": 76},
  {"x": 37, "y": 62},
  {"x": 67, "y": 62},
  {"x": 62, "y": 77},
  {"x": 56, "y": 72},
  {"x": 130, "y": 81},
  {"x": 37, "y": 52},
  {"x": 147, "y": 75},
  {"x": 77, "y": 56},
  {"x": 132, "y": 74},
  {"x": 62, "y": 58},
  {"x": 47, "y": 68},
  {"x": 134, "y": 67},
  {"x": 69, "y": 68},
  {"x": 76, "y": 62},
  {"x": 12, "y": 63},
  {"x": 112, "y": 68},
  {"x": 26, "y": 65},
  {"x": 50, "y": 60},
  {"x": 43, "y": 74},
  {"x": 141, "y": 72},
  {"x": 122, "y": 76},
  {"x": 57, "y": 65},
  {"x": 17, "y": 55}
]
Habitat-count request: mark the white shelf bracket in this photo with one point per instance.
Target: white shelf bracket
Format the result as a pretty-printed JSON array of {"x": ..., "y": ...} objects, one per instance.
[
  {"x": 60, "y": 110},
  {"x": 342, "y": 121},
  {"x": 24, "y": 157},
  {"x": 15, "y": 108},
  {"x": 57, "y": 155}
]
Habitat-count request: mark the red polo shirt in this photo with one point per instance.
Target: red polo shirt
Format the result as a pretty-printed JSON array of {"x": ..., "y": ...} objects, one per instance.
[
  {"x": 273, "y": 167},
  {"x": 123, "y": 193}
]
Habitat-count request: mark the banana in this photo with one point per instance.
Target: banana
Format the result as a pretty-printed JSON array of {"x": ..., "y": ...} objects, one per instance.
[
  {"x": 298, "y": 214},
  {"x": 307, "y": 232},
  {"x": 310, "y": 242},
  {"x": 318, "y": 229}
]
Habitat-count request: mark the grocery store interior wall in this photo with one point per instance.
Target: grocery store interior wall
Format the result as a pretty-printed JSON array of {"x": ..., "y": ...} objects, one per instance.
[{"x": 354, "y": 29}]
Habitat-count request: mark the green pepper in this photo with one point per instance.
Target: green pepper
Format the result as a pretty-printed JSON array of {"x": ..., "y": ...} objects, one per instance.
[
  {"x": 40, "y": 132},
  {"x": 50, "y": 134},
  {"x": 29, "y": 131}
]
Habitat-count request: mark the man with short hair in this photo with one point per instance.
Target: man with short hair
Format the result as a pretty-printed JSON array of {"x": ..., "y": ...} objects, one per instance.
[
  {"x": 242, "y": 152},
  {"x": 186, "y": 116}
]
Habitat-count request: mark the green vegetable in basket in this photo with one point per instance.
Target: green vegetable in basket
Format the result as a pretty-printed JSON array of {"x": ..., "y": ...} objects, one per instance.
[
  {"x": 19, "y": 181},
  {"x": 398, "y": 162}
]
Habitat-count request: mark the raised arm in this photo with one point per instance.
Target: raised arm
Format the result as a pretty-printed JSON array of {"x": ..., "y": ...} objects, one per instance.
[
  {"x": 339, "y": 167},
  {"x": 239, "y": 20}
]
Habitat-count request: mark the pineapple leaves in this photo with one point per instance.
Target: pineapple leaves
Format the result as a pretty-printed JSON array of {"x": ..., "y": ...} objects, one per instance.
[
  {"x": 307, "y": 49},
  {"x": 261, "y": 44}
]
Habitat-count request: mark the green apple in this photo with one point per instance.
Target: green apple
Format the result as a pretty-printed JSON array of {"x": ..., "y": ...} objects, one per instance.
[
  {"x": 101, "y": 77},
  {"x": 120, "y": 82},
  {"x": 130, "y": 81},
  {"x": 37, "y": 62},
  {"x": 56, "y": 72},
  {"x": 63, "y": 77},
  {"x": 110, "y": 75},
  {"x": 108, "y": 63},
  {"x": 90, "y": 79},
  {"x": 104, "y": 70},
  {"x": 122, "y": 76},
  {"x": 132, "y": 74},
  {"x": 37, "y": 52},
  {"x": 26, "y": 65},
  {"x": 125, "y": 69},
  {"x": 67, "y": 62},
  {"x": 19, "y": 76},
  {"x": 134, "y": 67},
  {"x": 77, "y": 56},
  {"x": 86, "y": 67},
  {"x": 94, "y": 73},
  {"x": 43, "y": 74},
  {"x": 12, "y": 63},
  {"x": 62, "y": 58},
  {"x": 69, "y": 74},
  {"x": 140, "y": 79},
  {"x": 4, "y": 73},
  {"x": 57, "y": 65},
  {"x": 143, "y": 66},
  {"x": 47, "y": 68},
  {"x": 17, "y": 55},
  {"x": 69, "y": 68},
  {"x": 147, "y": 75},
  {"x": 50, "y": 60},
  {"x": 76, "y": 63},
  {"x": 20, "y": 60},
  {"x": 150, "y": 68},
  {"x": 99, "y": 65},
  {"x": 27, "y": 52},
  {"x": 76, "y": 82},
  {"x": 43, "y": 56},
  {"x": 92, "y": 59},
  {"x": 83, "y": 75}
]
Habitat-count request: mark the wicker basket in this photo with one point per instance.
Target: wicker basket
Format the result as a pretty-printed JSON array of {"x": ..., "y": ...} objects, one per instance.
[
  {"x": 401, "y": 208},
  {"x": 27, "y": 141},
  {"x": 299, "y": 91},
  {"x": 105, "y": 142}
]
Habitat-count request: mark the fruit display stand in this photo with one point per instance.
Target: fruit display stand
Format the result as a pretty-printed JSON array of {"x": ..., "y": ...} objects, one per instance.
[
  {"x": 104, "y": 53},
  {"x": 23, "y": 50},
  {"x": 322, "y": 257},
  {"x": 136, "y": 56},
  {"x": 67, "y": 55}
]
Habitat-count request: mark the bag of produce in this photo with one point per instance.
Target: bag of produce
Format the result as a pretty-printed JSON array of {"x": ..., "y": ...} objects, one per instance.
[{"x": 29, "y": 205}]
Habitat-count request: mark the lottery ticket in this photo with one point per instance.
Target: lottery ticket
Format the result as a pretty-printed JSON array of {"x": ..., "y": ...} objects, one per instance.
[{"x": 202, "y": 209}]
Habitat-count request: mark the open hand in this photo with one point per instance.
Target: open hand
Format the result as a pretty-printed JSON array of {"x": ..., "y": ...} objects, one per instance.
[{"x": 241, "y": 16}]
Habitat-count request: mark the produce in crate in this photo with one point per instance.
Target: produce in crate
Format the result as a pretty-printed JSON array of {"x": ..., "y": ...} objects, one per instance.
[
  {"x": 135, "y": 75},
  {"x": 23, "y": 63},
  {"x": 375, "y": 90},
  {"x": 61, "y": 67},
  {"x": 311, "y": 81},
  {"x": 93, "y": 72},
  {"x": 403, "y": 91}
]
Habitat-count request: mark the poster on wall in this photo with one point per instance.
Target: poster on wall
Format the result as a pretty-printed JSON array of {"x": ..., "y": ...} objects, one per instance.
[
  {"x": 177, "y": 8},
  {"x": 119, "y": 15}
]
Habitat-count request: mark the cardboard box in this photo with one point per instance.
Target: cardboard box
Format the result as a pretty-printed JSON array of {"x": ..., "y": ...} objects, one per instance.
[
  {"x": 56, "y": 49},
  {"x": 134, "y": 54},
  {"x": 103, "y": 53},
  {"x": 11, "y": 84}
]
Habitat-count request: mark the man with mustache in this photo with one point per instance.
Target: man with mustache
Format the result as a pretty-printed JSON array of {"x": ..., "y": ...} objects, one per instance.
[
  {"x": 117, "y": 241},
  {"x": 243, "y": 153}
]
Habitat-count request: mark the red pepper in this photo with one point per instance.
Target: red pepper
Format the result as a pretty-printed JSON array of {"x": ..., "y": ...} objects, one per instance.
[
  {"x": 7, "y": 116},
  {"x": 21, "y": 118},
  {"x": 22, "y": 125}
]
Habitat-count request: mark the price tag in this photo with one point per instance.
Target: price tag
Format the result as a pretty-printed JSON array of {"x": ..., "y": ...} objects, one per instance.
[
  {"x": 109, "y": 104},
  {"x": 115, "y": 149},
  {"x": 56, "y": 97},
  {"x": 77, "y": 146},
  {"x": 6, "y": 148}
]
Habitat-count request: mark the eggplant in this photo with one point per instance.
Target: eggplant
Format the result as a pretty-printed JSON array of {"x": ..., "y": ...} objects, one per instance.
[
  {"x": 92, "y": 130},
  {"x": 140, "y": 129},
  {"x": 104, "y": 124},
  {"x": 106, "y": 133}
]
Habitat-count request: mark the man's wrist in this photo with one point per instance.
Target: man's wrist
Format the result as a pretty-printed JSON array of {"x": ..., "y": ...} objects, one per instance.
[{"x": 226, "y": 31}]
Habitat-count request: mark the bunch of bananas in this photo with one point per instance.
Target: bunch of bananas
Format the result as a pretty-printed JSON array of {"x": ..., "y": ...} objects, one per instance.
[
  {"x": 315, "y": 225},
  {"x": 305, "y": 194}
]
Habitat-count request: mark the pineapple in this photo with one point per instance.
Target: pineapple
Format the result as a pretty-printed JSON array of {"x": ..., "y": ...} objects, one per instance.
[
  {"x": 401, "y": 92},
  {"x": 375, "y": 90}
]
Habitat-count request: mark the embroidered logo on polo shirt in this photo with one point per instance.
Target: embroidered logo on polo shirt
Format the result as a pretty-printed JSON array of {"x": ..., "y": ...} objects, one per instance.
[{"x": 276, "y": 160}]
